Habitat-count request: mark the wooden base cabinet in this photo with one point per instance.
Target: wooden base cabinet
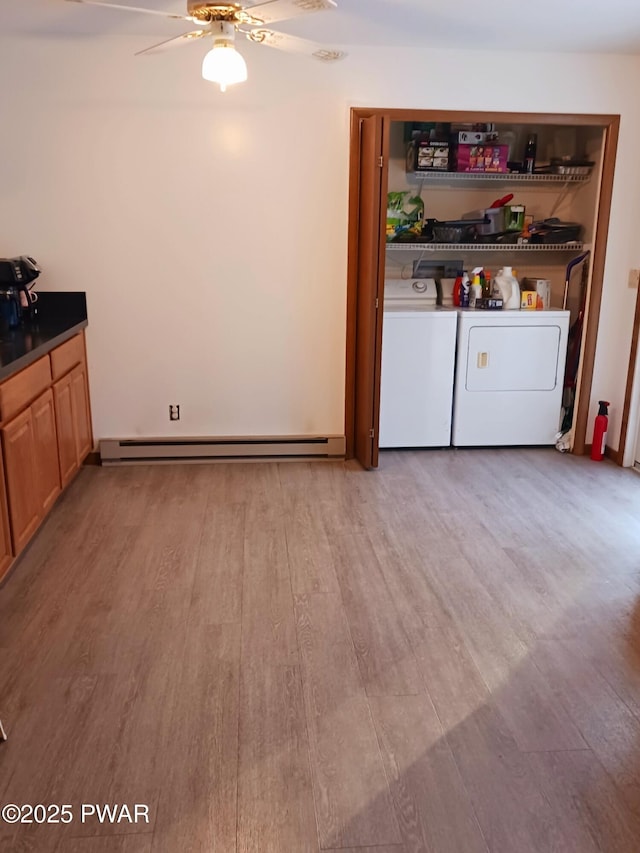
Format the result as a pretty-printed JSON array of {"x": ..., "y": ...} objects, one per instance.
[
  {"x": 19, "y": 446},
  {"x": 30, "y": 445},
  {"x": 46, "y": 447},
  {"x": 81, "y": 413},
  {"x": 45, "y": 422},
  {"x": 74, "y": 421},
  {"x": 6, "y": 551},
  {"x": 67, "y": 454}
]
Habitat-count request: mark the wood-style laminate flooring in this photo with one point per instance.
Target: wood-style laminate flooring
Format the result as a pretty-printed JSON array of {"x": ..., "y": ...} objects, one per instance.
[{"x": 440, "y": 656}]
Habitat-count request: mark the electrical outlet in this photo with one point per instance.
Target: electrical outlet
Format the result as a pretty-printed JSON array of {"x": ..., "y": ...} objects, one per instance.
[
  {"x": 174, "y": 412},
  {"x": 634, "y": 279}
]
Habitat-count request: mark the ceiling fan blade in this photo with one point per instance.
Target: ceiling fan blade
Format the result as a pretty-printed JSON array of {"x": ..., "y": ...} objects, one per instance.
[
  {"x": 132, "y": 9},
  {"x": 293, "y": 44},
  {"x": 282, "y": 10},
  {"x": 185, "y": 38}
]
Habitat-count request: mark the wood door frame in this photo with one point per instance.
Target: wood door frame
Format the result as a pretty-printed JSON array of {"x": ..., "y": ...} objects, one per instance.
[
  {"x": 609, "y": 123},
  {"x": 619, "y": 454}
]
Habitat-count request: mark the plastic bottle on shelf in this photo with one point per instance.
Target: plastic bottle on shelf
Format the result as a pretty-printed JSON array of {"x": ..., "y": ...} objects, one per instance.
[
  {"x": 457, "y": 290},
  {"x": 476, "y": 291},
  {"x": 509, "y": 288},
  {"x": 530, "y": 152},
  {"x": 485, "y": 280},
  {"x": 464, "y": 291}
]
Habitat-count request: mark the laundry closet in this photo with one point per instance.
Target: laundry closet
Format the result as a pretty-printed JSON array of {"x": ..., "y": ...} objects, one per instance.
[{"x": 437, "y": 195}]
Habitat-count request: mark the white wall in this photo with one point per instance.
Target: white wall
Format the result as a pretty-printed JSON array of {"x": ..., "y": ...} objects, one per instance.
[{"x": 210, "y": 230}]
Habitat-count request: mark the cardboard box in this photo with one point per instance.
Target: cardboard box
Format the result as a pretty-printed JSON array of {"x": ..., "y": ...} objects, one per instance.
[
  {"x": 514, "y": 217},
  {"x": 529, "y": 300},
  {"x": 481, "y": 158},
  {"x": 489, "y": 303},
  {"x": 472, "y": 137},
  {"x": 426, "y": 156}
]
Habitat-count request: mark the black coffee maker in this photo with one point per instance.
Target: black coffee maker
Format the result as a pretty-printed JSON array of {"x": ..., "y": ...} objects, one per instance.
[{"x": 17, "y": 302}]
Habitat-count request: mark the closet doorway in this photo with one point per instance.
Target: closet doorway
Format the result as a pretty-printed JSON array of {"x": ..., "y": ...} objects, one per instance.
[{"x": 370, "y": 147}]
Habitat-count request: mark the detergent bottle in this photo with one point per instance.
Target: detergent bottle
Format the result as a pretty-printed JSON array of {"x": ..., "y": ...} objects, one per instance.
[{"x": 509, "y": 288}]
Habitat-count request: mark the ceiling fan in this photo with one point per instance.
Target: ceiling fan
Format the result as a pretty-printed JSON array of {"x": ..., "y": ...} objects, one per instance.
[{"x": 220, "y": 21}]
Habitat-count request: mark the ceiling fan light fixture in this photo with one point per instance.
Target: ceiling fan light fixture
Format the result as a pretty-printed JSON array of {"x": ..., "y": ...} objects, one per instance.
[{"x": 223, "y": 64}]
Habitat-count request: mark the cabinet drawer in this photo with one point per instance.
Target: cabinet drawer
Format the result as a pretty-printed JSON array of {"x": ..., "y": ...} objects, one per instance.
[
  {"x": 66, "y": 356},
  {"x": 21, "y": 389}
]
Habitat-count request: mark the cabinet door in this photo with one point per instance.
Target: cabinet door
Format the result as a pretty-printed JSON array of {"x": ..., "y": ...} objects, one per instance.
[
  {"x": 80, "y": 408},
  {"x": 6, "y": 554},
  {"x": 46, "y": 441},
  {"x": 66, "y": 429},
  {"x": 19, "y": 457}
]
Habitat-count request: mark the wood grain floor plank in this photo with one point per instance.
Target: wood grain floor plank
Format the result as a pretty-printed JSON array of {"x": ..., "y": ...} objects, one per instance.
[
  {"x": 217, "y": 587},
  {"x": 124, "y": 844},
  {"x": 582, "y": 793},
  {"x": 353, "y": 805},
  {"x": 432, "y": 805},
  {"x": 243, "y": 482},
  {"x": 45, "y": 628},
  {"x": 124, "y": 622},
  {"x": 529, "y": 604},
  {"x": 275, "y": 797},
  {"x": 268, "y": 624},
  {"x": 582, "y": 595},
  {"x": 519, "y": 690},
  {"x": 400, "y": 544},
  {"x": 450, "y": 676},
  {"x": 199, "y": 794},
  {"x": 385, "y": 658},
  {"x": 312, "y": 481},
  {"x": 613, "y": 648},
  {"x": 511, "y": 808},
  {"x": 37, "y": 751},
  {"x": 384, "y": 848},
  {"x": 308, "y": 550},
  {"x": 609, "y": 728}
]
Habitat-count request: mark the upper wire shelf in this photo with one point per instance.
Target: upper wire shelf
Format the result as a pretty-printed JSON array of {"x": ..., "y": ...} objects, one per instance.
[{"x": 495, "y": 177}]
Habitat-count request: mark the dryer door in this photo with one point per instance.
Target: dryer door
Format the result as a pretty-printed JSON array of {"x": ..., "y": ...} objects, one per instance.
[{"x": 513, "y": 358}]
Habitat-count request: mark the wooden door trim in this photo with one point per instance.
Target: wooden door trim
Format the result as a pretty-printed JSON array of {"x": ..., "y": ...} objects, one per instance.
[
  {"x": 588, "y": 355},
  {"x": 631, "y": 375},
  {"x": 353, "y": 271},
  {"x": 473, "y": 116},
  {"x": 611, "y": 126},
  {"x": 352, "y": 284}
]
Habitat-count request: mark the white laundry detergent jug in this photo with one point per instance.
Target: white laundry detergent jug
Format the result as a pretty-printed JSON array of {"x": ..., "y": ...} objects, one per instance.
[{"x": 509, "y": 288}]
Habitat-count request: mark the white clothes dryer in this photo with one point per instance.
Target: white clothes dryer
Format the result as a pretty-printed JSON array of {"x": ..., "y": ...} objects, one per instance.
[{"x": 509, "y": 377}]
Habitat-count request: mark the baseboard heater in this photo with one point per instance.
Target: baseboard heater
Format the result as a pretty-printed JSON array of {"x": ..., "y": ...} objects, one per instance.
[{"x": 130, "y": 451}]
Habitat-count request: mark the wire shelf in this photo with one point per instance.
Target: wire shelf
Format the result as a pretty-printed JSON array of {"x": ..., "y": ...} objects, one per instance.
[
  {"x": 486, "y": 247},
  {"x": 495, "y": 177}
]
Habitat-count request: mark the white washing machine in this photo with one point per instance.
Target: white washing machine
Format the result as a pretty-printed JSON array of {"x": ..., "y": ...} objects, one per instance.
[
  {"x": 509, "y": 377},
  {"x": 418, "y": 358}
]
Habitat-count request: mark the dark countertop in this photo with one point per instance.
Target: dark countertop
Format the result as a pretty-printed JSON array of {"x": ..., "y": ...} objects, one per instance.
[{"x": 60, "y": 317}]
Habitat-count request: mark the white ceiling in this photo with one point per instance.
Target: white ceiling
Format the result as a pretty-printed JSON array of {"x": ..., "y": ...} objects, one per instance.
[{"x": 610, "y": 26}]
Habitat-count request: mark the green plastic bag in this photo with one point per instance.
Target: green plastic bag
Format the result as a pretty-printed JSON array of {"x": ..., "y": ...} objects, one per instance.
[{"x": 405, "y": 215}]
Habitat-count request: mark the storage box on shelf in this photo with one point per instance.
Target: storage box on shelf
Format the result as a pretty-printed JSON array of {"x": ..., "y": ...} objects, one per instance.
[
  {"x": 424, "y": 156},
  {"x": 487, "y": 157}
]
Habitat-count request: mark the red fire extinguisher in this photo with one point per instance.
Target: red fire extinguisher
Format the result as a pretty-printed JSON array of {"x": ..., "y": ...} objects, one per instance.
[{"x": 600, "y": 431}]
